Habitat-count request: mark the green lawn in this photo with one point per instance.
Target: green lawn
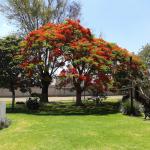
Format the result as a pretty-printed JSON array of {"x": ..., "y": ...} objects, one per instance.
[{"x": 66, "y": 127}]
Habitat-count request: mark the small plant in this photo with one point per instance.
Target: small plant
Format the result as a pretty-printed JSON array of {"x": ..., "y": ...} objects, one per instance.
[
  {"x": 5, "y": 123},
  {"x": 33, "y": 103},
  {"x": 126, "y": 108}
]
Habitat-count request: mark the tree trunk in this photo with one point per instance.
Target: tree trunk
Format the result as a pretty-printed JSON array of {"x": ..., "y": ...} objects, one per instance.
[
  {"x": 13, "y": 99},
  {"x": 136, "y": 93},
  {"x": 44, "y": 95},
  {"x": 46, "y": 80},
  {"x": 78, "y": 98}
]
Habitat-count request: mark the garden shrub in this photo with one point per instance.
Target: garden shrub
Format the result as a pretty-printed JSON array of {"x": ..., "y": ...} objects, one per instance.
[
  {"x": 33, "y": 103},
  {"x": 126, "y": 107}
]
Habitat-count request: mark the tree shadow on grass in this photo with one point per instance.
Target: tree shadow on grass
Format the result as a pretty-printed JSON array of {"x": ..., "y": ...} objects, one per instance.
[{"x": 68, "y": 108}]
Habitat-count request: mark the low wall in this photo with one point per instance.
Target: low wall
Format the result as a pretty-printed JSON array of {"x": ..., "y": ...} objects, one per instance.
[{"x": 52, "y": 91}]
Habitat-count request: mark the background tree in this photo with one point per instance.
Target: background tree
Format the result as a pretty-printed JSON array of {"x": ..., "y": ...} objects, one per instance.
[
  {"x": 31, "y": 14},
  {"x": 145, "y": 53},
  {"x": 121, "y": 67},
  {"x": 144, "y": 84},
  {"x": 127, "y": 67},
  {"x": 9, "y": 69}
]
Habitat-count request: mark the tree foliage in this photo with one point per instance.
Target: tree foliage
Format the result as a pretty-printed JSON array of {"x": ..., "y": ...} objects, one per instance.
[
  {"x": 9, "y": 69},
  {"x": 145, "y": 53},
  {"x": 92, "y": 66},
  {"x": 31, "y": 14},
  {"x": 89, "y": 66},
  {"x": 128, "y": 67}
]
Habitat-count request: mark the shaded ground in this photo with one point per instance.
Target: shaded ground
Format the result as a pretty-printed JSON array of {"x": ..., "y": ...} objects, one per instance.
[{"x": 110, "y": 106}]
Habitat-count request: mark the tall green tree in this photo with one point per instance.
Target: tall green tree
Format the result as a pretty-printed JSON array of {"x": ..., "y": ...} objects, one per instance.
[
  {"x": 31, "y": 14},
  {"x": 145, "y": 56},
  {"x": 9, "y": 69},
  {"x": 145, "y": 53}
]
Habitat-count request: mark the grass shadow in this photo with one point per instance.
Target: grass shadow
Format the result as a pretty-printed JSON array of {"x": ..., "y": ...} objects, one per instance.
[{"x": 68, "y": 108}]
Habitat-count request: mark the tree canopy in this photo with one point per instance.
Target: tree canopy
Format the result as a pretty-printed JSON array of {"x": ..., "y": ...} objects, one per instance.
[
  {"x": 145, "y": 53},
  {"x": 9, "y": 69}
]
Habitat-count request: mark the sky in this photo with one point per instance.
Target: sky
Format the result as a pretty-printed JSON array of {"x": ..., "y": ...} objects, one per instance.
[{"x": 125, "y": 22}]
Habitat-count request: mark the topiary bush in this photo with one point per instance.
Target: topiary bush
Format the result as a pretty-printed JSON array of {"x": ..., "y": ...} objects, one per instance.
[
  {"x": 33, "y": 103},
  {"x": 125, "y": 108}
]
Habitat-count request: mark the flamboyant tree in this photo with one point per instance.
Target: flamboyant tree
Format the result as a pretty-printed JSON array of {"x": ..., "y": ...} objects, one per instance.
[
  {"x": 43, "y": 50},
  {"x": 89, "y": 66},
  {"x": 42, "y": 54}
]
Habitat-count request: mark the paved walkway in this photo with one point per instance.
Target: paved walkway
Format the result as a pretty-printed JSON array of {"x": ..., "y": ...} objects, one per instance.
[{"x": 23, "y": 99}]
